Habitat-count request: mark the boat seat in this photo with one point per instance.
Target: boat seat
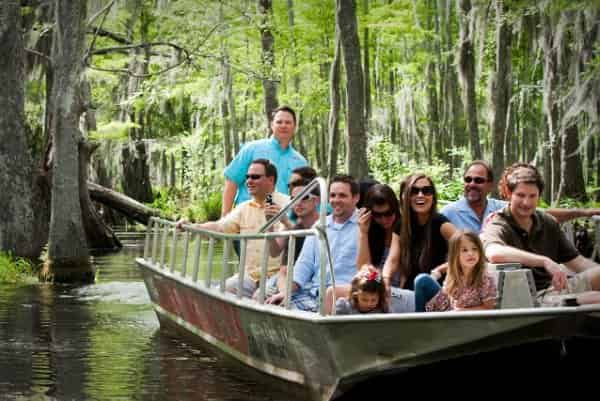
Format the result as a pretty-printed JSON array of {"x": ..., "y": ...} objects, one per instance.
[{"x": 516, "y": 288}]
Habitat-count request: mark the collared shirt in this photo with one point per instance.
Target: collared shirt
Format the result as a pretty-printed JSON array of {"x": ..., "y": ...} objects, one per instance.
[
  {"x": 249, "y": 217},
  {"x": 343, "y": 243},
  {"x": 463, "y": 217},
  {"x": 285, "y": 160},
  {"x": 545, "y": 238}
]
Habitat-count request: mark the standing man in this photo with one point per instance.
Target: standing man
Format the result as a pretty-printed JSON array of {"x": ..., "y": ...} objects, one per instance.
[
  {"x": 248, "y": 217},
  {"x": 521, "y": 233},
  {"x": 342, "y": 233},
  {"x": 471, "y": 210},
  {"x": 277, "y": 149}
]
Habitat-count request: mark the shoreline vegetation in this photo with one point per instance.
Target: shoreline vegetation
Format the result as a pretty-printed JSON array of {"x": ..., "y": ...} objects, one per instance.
[{"x": 16, "y": 270}]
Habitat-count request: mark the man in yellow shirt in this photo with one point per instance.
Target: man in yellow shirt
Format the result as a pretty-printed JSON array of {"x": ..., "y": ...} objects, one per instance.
[{"x": 248, "y": 217}]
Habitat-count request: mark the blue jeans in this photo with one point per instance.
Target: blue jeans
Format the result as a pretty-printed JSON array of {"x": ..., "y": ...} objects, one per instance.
[{"x": 425, "y": 288}]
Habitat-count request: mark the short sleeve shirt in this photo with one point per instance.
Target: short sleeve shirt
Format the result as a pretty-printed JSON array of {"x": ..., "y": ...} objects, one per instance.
[
  {"x": 545, "y": 238},
  {"x": 249, "y": 217},
  {"x": 285, "y": 160},
  {"x": 439, "y": 245},
  {"x": 463, "y": 217}
]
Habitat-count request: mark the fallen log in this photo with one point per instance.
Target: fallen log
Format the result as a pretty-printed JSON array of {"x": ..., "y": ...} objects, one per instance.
[{"x": 122, "y": 203}]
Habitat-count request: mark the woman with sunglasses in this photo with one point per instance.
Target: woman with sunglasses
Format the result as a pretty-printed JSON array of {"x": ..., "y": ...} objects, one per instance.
[{"x": 420, "y": 239}]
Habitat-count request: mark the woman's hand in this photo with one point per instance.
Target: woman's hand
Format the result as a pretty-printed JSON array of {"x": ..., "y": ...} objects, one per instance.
[{"x": 364, "y": 220}]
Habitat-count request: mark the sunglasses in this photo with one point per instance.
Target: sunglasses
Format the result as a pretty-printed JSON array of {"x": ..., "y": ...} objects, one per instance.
[
  {"x": 387, "y": 213},
  {"x": 254, "y": 176},
  {"x": 305, "y": 197},
  {"x": 427, "y": 190},
  {"x": 477, "y": 180}
]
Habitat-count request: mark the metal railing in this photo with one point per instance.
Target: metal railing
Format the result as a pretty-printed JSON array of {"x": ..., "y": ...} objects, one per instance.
[{"x": 159, "y": 230}]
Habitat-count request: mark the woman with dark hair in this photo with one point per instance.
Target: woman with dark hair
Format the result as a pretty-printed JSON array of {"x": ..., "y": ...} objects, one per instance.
[
  {"x": 376, "y": 224},
  {"x": 420, "y": 239}
]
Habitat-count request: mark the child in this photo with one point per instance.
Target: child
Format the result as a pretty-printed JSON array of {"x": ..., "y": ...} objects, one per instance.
[
  {"x": 467, "y": 285},
  {"x": 367, "y": 293}
]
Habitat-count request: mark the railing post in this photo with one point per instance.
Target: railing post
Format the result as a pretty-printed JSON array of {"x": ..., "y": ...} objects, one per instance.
[
  {"x": 225, "y": 267},
  {"x": 173, "y": 250},
  {"x": 209, "y": 261},
  {"x": 263, "y": 272},
  {"x": 186, "y": 246},
  {"x": 147, "y": 239},
  {"x": 196, "y": 261},
  {"x": 155, "y": 241},
  {"x": 163, "y": 245},
  {"x": 242, "y": 268},
  {"x": 289, "y": 282},
  {"x": 324, "y": 262}
]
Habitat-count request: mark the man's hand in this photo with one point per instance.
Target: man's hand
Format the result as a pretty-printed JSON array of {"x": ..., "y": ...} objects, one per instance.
[
  {"x": 559, "y": 277},
  {"x": 179, "y": 224},
  {"x": 276, "y": 299}
]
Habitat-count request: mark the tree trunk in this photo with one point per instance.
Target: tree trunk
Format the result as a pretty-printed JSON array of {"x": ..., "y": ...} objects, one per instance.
[
  {"x": 500, "y": 88},
  {"x": 466, "y": 72},
  {"x": 16, "y": 166},
  {"x": 299, "y": 140},
  {"x": 571, "y": 180},
  {"x": 550, "y": 106},
  {"x": 356, "y": 137},
  {"x": 121, "y": 203},
  {"x": 366, "y": 68},
  {"x": 265, "y": 8},
  {"x": 68, "y": 255},
  {"x": 334, "y": 113}
]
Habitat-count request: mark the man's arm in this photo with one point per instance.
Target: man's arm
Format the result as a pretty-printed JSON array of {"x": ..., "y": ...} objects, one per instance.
[
  {"x": 497, "y": 253},
  {"x": 580, "y": 264},
  {"x": 562, "y": 214},
  {"x": 228, "y": 195}
]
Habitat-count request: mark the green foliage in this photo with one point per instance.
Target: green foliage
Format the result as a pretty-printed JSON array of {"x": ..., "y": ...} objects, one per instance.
[
  {"x": 168, "y": 201},
  {"x": 390, "y": 165},
  {"x": 14, "y": 269},
  {"x": 206, "y": 209},
  {"x": 116, "y": 130}
]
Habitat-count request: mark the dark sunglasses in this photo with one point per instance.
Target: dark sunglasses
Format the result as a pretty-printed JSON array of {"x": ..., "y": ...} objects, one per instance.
[
  {"x": 387, "y": 213},
  {"x": 305, "y": 197},
  {"x": 254, "y": 176},
  {"x": 427, "y": 190},
  {"x": 477, "y": 180}
]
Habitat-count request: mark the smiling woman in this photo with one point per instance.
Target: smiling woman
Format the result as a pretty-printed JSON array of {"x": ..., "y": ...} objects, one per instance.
[{"x": 419, "y": 242}]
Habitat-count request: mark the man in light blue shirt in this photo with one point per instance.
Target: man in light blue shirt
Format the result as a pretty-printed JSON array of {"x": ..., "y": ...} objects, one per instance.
[
  {"x": 342, "y": 233},
  {"x": 277, "y": 149},
  {"x": 472, "y": 210}
]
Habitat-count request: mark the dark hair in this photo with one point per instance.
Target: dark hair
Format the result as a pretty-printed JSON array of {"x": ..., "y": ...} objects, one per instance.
[
  {"x": 347, "y": 179},
  {"x": 368, "y": 279},
  {"x": 365, "y": 184},
  {"x": 519, "y": 173},
  {"x": 286, "y": 109},
  {"x": 270, "y": 169},
  {"x": 485, "y": 165},
  {"x": 306, "y": 172},
  {"x": 379, "y": 195},
  {"x": 406, "y": 234}
]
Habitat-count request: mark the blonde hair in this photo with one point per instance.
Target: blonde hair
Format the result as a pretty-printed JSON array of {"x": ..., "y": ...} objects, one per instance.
[
  {"x": 368, "y": 279},
  {"x": 456, "y": 279}
]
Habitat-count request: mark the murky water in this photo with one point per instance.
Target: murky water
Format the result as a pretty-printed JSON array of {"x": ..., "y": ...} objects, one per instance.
[{"x": 102, "y": 342}]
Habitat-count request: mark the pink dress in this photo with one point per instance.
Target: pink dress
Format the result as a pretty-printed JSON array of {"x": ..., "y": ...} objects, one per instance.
[{"x": 467, "y": 297}]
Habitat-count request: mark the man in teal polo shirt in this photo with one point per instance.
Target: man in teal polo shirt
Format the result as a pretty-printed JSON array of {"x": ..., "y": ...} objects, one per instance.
[{"x": 277, "y": 149}]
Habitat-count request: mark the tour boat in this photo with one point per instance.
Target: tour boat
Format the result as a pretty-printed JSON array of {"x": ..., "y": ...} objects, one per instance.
[{"x": 323, "y": 354}]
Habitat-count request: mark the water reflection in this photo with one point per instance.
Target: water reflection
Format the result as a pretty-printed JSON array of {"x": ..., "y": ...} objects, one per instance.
[{"x": 102, "y": 342}]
